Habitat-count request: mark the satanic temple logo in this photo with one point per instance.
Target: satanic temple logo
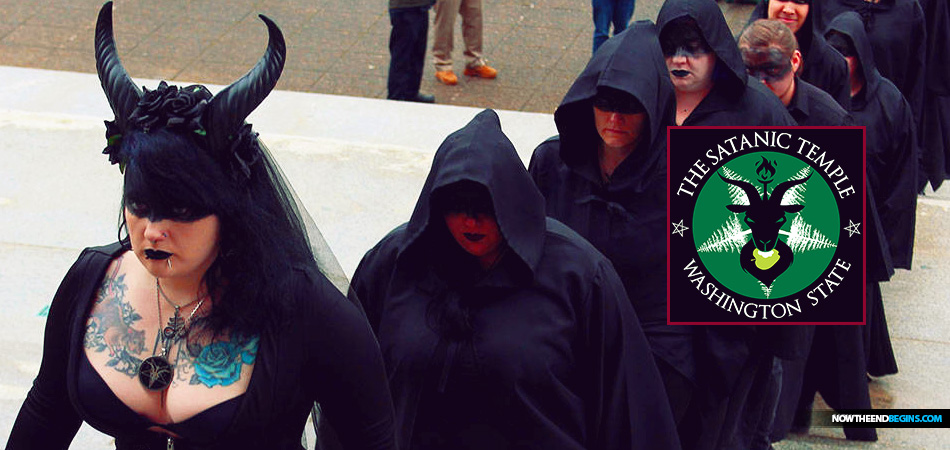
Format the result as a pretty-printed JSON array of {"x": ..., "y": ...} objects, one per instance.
[{"x": 765, "y": 226}]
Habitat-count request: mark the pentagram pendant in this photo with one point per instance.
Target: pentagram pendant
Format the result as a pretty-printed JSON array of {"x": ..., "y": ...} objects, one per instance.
[{"x": 155, "y": 373}]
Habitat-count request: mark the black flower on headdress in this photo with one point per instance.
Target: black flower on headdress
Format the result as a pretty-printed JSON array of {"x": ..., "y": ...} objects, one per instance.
[
  {"x": 171, "y": 107},
  {"x": 113, "y": 142},
  {"x": 246, "y": 152}
]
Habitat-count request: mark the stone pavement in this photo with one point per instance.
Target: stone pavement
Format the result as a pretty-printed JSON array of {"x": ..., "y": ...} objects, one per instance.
[
  {"x": 354, "y": 159},
  {"x": 334, "y": 46}
]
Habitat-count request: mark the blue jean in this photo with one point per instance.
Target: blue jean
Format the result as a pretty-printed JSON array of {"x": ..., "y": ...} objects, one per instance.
[
  {"x": 407, "y": 51},
  {"x": 607, "y": 12}
]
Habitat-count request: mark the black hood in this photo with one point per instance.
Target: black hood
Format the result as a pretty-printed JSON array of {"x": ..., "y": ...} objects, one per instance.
[
  {"x": 850, "y": 24},
  {"x": 480, "y": 152},
  {"x": 730, "y": 70},
  {"x": 631, "y": 62}
]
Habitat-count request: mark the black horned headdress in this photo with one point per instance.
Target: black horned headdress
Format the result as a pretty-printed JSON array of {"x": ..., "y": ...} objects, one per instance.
[{"x": 217, "y": 122}]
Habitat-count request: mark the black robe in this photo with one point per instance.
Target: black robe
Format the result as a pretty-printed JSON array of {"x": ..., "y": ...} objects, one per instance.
[
  {"x": 897, "y": 36},
  {"x": 822, "y": 65},
  {"x": 935, "y": 125},
  {"x": 891, "y": 145},
  {"x": 624, "y": 218},
  {"x": 832, "y": 353},
  {"x": 727, "y": 356},
  {"x": 555, "y": 358}
]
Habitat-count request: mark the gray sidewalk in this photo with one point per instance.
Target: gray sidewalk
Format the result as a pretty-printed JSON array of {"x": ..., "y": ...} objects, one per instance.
[{"x": 334, "y": 46}]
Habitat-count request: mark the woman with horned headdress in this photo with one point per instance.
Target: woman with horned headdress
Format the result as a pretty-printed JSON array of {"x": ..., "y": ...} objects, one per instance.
[{"x": 213, "y": 322}]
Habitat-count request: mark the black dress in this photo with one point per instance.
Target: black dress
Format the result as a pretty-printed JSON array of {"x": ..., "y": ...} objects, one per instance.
[
  {"x": 554, "y": 357},
  {"x": 822, "y": 65},
  {"x": 325, "y": 353}
]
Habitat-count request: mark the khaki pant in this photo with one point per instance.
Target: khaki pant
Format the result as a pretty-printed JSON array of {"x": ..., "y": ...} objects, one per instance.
[{"x": 444, "y": 27}]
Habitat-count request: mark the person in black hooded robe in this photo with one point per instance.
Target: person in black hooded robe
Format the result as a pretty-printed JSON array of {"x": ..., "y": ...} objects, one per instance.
[
  {"x": 712, "y": 89},
  {"x": 891, "y": 168},
  {"x": 503, "y": 329},
  {"x": 768, "y": 416},
  {"x": 839, "y": 369},
  {"x": 604, "y": 176},
  {"x": 897, "y": 35},
  {"x": 935, "y": 126},
  {"x": 822, "y": 66},
  {"x": 716, "y": 92}
]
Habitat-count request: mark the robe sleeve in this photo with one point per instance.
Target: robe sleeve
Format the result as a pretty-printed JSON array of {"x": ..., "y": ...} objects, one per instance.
[
  {"x": 536, "y": 166},
  {"x": 47, "y": 419},
  {"x": 371, "y": 278},
  {"x": 349, "y": 379},
  {"x": 628, "y": 405},
  {"x": 918, "y": 65},
  {"x": 899, "y": 202}
]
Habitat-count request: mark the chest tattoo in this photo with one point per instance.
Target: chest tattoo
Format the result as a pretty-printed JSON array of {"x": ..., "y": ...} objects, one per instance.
[{"x": 110, "y": 327}]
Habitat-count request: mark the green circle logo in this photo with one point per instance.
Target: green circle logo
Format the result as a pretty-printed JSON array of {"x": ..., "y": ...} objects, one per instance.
[{"x": 766, "y": 225}]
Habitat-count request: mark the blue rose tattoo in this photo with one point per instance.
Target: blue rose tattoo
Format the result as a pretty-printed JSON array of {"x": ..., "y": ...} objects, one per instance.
[{"x": 220, "y": 363}]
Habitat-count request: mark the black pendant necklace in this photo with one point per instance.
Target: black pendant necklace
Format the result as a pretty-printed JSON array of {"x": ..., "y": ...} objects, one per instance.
[{"x": 156, "y": 373}]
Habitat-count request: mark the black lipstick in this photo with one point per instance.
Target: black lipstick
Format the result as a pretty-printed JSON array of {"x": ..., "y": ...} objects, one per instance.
[
  {"x": 156, "y": 254},
  {"x": 474, "y": 237},
  {"x": 680, "y": 73}
]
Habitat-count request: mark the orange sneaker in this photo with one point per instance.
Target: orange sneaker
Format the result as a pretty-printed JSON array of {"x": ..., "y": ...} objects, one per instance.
[
  {"x": 482, "y": 71},
  {"x": 446, "y": 77}
]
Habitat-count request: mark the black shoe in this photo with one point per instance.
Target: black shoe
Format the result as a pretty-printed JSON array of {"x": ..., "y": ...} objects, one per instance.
[{"x": 423, "y": 98}]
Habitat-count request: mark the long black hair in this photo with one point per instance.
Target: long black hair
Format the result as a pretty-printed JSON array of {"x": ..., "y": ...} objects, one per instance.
[{"x": 260, "y": 242}]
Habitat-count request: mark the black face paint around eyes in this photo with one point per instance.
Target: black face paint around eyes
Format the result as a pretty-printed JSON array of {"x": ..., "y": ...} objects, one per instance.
[
  {"x": 177, "y": 214},
  {"x": 797, "y": 2},
  {"x": 769, "y": 65},
  {"x": 620, "y": 106},
  {"x": 768, "y": 72},
  {"x": 689, "y": 38},
  {"x": 692, "y": 51}
]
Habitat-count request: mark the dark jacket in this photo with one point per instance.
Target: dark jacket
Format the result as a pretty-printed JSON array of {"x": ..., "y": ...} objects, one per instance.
[
  {"x": 326, "y": 353},
  {"x": 624, "y": 218},
  {"x": 822, "y": 65},
  {"x": 554, "y": 357},
  {"x": 891, "y": 144},
  {"x": 813, "y": 107}
]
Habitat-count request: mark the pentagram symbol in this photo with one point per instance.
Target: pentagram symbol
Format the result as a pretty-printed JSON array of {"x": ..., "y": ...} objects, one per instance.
[
  {"x": 155, "y": 373},
  {"x": 679, "y": 228},
  {"x": 853, "y": 228}
]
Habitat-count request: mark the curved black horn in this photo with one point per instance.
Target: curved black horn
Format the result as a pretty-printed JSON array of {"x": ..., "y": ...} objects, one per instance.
[
  {"x": 749, "y": 189},
  {"x": 228, "y": 109},
  {"x": 121, "y": 92},
  {"x": 779, "y": 190}
]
